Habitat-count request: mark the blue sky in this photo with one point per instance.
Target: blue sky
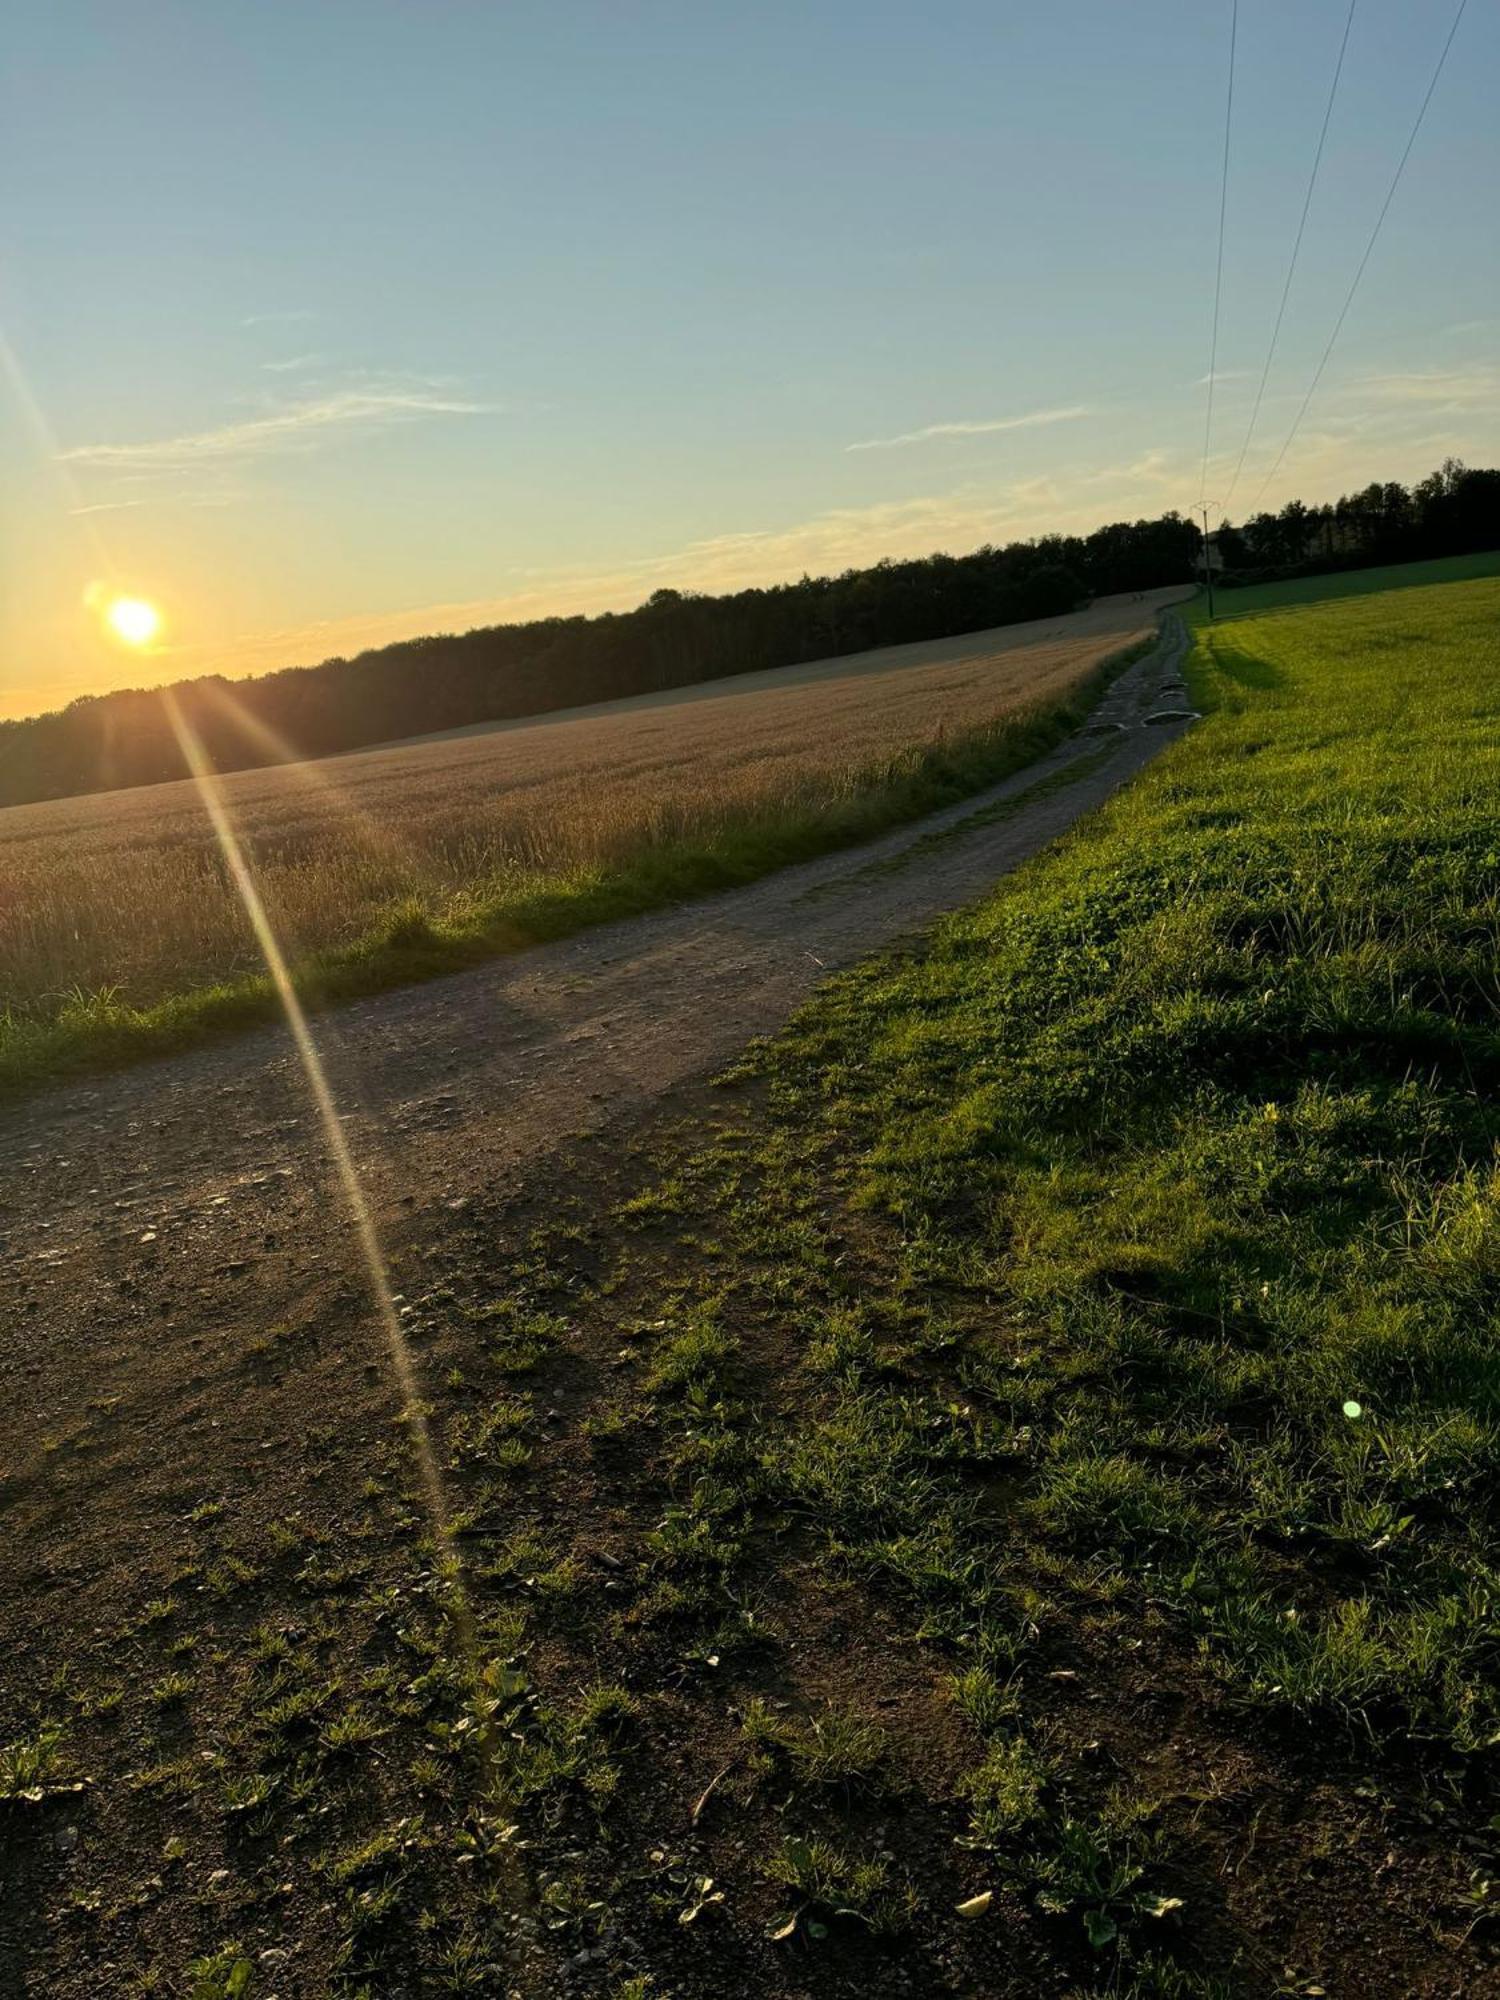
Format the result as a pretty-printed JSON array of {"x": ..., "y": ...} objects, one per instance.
[{"x": 328, "y": 323}]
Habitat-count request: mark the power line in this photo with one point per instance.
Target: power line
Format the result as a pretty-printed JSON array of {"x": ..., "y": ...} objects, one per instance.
[
  {"x": 1369, "y": 247},
  {"x": 1213, "y": 348},
  {"x": 1338, "y": 70}
]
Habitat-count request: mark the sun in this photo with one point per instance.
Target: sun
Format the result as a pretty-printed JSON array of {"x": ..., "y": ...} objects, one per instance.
[{"x": 133, "y": 620}]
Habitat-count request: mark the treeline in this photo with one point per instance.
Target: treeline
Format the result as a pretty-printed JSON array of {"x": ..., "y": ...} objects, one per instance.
[
  {"x": 452, "y": 679},
  {"x": 444, "y": 682},
  {"x": 1453, "y": 512}
]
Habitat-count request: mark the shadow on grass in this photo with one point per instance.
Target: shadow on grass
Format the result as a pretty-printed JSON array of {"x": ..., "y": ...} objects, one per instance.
[{"x": 1238, "y": 664}]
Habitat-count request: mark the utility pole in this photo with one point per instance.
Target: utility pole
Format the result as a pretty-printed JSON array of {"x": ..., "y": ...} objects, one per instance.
[{"x": 1208, "y": 575}]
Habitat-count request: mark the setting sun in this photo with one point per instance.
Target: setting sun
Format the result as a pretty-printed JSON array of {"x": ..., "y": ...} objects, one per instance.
[{"x": 133, "y": 620}]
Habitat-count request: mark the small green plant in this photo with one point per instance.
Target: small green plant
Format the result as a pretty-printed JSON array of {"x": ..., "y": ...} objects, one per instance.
[
  {"x": 701, "y": 1895},
  {"x": 986, "y": 1702},
  {"x": 606, "y": 1711},
  {"x": 33, "y": 1769},
  {"x": 1086, "y": 1872},
  {"x": 355, "y": 1729},
  {"x": 495, "y": 1436},
  {"x": 222, "y": 1975},
  {"x": 1005, "y": 1793},
  {"x": 839, "y": 1748},
  {"x": 830, "y": 1886},
  {"x": 1155, "y": 1978},
  {"x": 694, "y": 1357},
  {"x": 248, "y": 1794},
  {"x": 172, "y": 1690}
]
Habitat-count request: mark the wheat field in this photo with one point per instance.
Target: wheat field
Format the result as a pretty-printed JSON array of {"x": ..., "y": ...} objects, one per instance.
[{"x": 126, "y": 891}]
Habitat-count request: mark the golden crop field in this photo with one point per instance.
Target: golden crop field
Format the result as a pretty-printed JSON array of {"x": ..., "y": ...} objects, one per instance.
[{"x": 127, "y": 890}]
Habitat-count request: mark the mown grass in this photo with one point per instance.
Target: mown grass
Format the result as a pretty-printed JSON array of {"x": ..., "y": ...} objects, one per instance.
[
  {"x": 1259, "y": 597},
  {"x": 1207, "y": 1098},
  {"x": 717, "y": 824},
  {"x": 1142, "y": 1241}
]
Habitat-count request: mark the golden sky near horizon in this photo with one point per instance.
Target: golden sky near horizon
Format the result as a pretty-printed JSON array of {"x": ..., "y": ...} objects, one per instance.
[{"x": 611, "y": 305}]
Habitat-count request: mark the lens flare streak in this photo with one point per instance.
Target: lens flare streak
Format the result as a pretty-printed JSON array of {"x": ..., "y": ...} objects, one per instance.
[
  {"x": 373, "y": 1258},
  {"x": 367, "y": 1237}
]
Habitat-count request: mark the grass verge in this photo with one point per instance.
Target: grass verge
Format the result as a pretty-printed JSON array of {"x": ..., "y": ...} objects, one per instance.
[{"x": 1207, "y": 1098}]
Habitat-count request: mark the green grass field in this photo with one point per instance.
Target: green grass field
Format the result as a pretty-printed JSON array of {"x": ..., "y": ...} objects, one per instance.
[
  {"x": 1259, "y": 597},
  {"x": 1210, "y": 1096},
  {"x": 1184, "y": 1152},
  {"x": 1170, "y": 1326}
]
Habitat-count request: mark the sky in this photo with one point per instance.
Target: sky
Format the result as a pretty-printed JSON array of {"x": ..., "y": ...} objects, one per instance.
[{"x": 326, "y": 325}]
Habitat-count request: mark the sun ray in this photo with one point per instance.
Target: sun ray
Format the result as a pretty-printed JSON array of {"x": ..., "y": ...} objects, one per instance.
[
  {"x": 49, "y": 451},
  {"x": 367, "y": 1239},
  {"x": 315, "y": 776}
]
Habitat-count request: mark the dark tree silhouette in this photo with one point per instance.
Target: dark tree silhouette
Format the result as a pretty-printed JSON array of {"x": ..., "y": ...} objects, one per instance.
[{"x": 450, "y": 679}]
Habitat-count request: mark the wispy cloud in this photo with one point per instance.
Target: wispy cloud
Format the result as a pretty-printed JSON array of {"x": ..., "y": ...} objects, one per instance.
[
  {"x": 973, "y": 427},
  {"x": 294, "y": 427},
  {"x": 107, "y": 506},
  {"x": 1154, "y": 467},
  {"x": 292, "y": 364},
  {"x": 278, "y": 318},
  {"x": 1222, "y": 375},
  {"x": 1450, "y": 388}
]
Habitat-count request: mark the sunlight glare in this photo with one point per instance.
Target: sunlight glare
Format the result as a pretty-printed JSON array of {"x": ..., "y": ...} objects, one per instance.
[{"x": 133, "y": 620}]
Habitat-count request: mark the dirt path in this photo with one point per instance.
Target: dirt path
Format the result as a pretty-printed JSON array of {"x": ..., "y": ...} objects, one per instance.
[{"x": 158, "y": 1226}]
